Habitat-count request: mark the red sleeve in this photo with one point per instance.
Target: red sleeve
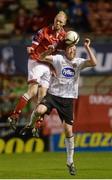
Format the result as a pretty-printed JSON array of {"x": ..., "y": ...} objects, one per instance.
[{"x": 38, "y": 37}]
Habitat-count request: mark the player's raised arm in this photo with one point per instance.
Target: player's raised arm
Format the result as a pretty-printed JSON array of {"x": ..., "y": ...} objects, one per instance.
[{"x": 92, "y": 61}]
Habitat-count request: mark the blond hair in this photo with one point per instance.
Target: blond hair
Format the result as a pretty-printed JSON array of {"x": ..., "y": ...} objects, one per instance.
[{"x": 62, "y": 13}]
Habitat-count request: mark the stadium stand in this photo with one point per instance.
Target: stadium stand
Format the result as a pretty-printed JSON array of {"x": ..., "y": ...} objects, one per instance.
[{"x": 15, "y": 16}]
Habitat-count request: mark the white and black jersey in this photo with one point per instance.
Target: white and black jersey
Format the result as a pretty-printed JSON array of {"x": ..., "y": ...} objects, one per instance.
[{"x": 65, "y": 84}]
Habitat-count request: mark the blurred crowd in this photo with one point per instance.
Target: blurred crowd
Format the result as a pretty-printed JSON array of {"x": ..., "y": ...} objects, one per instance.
[
  {"x": 24, "y": 17},
  {"x": 10, "y": 91}
]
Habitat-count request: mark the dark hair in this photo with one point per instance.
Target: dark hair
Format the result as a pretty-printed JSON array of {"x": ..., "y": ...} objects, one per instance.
[{"x": 69, "y": 45}]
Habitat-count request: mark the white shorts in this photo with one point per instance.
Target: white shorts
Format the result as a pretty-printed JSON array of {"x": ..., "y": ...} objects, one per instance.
[{"x": 39, "y": 73}]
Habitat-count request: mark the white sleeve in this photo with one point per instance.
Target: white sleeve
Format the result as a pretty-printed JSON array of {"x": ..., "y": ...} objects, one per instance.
[
  {"x": 56, "y": 60},
  {"x": 81, "y": 62}
]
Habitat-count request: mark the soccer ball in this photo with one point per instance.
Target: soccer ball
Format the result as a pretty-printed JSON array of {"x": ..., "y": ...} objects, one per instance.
[{"x": 72, "y": 37}]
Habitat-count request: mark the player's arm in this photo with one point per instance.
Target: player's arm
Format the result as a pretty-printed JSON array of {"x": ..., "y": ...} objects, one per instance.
[
  {"x": 36, "y": 40},
  {"x": 92, "y": 61},
  {"x": 48, "y": 58}
]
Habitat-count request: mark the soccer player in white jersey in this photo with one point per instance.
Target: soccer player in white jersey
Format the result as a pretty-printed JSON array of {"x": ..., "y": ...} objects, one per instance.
[{"x": 62, "y": 91}]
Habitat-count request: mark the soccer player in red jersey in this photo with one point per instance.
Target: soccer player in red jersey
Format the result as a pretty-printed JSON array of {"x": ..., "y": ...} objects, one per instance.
[{"x": 44, "y": 42}]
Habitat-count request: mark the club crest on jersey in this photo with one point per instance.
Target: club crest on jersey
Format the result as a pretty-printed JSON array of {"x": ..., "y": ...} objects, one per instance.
[{"x": 68, "y": 72}]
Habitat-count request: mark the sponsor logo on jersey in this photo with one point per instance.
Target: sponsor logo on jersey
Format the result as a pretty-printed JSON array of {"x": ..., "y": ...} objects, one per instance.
[{"x": 68, "y": 72}]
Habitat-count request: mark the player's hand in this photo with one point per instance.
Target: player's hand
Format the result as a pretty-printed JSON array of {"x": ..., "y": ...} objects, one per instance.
[
  {"x": 30, "y": 50},
  {"x": 87, "y": 42}
]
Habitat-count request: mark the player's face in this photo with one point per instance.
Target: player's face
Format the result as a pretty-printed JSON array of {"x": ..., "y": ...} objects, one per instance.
[
  {"x": 71, "y": 52},
  {"x": 59, "y": 22}
]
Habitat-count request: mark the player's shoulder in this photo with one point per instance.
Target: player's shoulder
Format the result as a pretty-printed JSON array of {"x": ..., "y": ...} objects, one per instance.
[
  {"x": 41, "y": 30},
  {"x": 58, "y": 57},
  {"x": 47, "y": 30},
  {"x": 78, "y": 61}
]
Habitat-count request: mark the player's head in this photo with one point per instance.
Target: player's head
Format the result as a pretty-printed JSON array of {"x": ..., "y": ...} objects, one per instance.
[
  {"x": 70, "y": 51},
  {"x": 60, "y": 20}
]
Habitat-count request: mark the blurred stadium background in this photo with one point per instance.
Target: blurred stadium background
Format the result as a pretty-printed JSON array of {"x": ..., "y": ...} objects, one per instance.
[{"x": 19, "y": 19}]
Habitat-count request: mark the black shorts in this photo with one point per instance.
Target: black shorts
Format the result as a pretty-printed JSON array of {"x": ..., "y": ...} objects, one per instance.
[{"x": 64, "y": 107}]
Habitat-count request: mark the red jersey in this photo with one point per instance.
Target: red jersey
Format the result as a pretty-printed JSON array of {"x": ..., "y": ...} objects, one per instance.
[{"x": 43, "y": 38}]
